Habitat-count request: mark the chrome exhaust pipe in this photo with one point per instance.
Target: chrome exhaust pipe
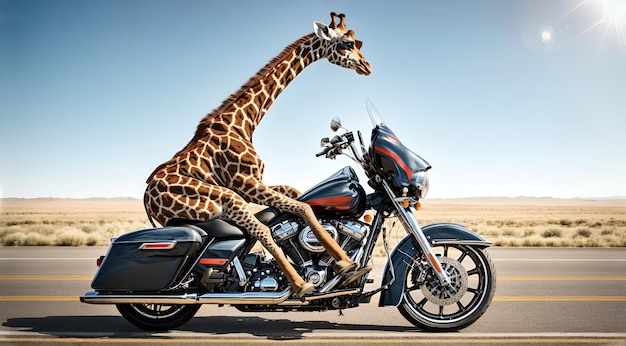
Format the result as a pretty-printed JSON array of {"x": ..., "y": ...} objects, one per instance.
[{"x": 261, "y": 298}]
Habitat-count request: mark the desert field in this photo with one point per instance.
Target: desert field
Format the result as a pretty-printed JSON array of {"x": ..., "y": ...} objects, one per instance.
[{"x": 504, "y": 221}]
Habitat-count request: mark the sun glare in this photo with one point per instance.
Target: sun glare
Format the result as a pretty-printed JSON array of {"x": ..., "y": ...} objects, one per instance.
[
  {"x": 606, "y": 18},
  {"x": 615, "y": 18},
  {"x": 546, "y": 36}
]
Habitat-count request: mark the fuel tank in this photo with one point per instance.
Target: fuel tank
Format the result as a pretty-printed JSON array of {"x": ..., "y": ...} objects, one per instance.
[{"x": 339, "y": 195}]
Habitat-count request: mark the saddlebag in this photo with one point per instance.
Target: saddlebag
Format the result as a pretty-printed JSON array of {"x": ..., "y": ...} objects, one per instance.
[{"x": 147, "y": 260}]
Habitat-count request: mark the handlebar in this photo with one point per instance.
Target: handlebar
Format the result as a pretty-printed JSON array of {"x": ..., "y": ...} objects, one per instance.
[
  {"x": 336, "y": 145},
  {"x": 325, "y": 151},
  {"x": 343, "y": 144}
]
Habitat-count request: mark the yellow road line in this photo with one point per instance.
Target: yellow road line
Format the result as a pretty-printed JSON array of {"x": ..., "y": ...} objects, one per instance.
[
  {"x": 561, "y": 278},
  {"x": 226, "y": 341},
  {"x": 44, "y": 278},
  {"x": 496, "y": 298},
  {"x": 559, "y": 298},
  {"x": 500, "y": 278},
  {"x": 39, "y": 298}
]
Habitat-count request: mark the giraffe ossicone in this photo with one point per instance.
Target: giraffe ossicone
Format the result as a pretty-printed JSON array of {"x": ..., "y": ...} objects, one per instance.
[{"x": 219, "y": 172}]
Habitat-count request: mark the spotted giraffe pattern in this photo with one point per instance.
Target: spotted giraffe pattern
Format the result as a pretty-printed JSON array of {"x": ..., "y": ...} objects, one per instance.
[{"x": 219, "y": 172}]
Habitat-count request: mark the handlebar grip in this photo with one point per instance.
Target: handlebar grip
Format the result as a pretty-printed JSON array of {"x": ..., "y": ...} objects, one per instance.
[{"x": 324, "y": 152}]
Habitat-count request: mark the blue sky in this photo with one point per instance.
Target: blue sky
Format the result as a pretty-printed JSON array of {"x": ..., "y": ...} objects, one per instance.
[{"x": 503, "y": 98}]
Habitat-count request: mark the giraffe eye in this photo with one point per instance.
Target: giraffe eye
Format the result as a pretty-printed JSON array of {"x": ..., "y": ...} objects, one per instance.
[{"x": 347, "y": 45}]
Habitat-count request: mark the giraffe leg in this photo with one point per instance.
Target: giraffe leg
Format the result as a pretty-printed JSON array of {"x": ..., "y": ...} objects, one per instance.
[
  {"x": 268, "y": 196},
  {"x": 343, "y": 264},
  {"x": 286, "y": 190},
  {"x": 245, "y": 218},
  {"x": 184, "y": 197}
]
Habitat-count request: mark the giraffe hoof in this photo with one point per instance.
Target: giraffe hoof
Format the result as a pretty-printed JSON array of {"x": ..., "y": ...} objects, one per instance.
[
  {"x": 304, "y": 289},
  {"x": 356, "y": 275},
  {"x": 342, "y": 267}
]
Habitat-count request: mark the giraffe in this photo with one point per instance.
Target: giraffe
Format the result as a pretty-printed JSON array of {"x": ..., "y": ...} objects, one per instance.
[{"x": 219, "y": 172}]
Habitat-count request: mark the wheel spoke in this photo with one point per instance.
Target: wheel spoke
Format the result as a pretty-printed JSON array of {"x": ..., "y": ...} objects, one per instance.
[
  {"x": 422, "y": 303},
  {"x": 462, "y": 257},
  {"x": 450, "y": 308},
  {"x": 473, "y": 272},
  {"x": 412, "y": 288}
]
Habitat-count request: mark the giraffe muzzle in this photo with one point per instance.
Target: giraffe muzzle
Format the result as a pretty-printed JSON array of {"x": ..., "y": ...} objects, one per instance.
[{"x": 363, "y": 68}]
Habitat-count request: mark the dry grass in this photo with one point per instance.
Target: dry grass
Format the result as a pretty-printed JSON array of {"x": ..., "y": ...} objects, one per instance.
[
  {"x": 68, "y": 222},
  {"x": 506, "y": 222}
]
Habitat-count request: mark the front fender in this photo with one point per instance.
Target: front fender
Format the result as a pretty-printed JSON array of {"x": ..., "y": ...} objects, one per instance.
[{"x": 400, "y": 258}]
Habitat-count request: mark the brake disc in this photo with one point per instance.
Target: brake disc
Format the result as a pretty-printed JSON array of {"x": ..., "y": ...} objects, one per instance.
[{"x": 448, "y": 295}]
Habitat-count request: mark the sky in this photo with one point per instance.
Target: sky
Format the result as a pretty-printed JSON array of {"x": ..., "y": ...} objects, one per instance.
[{"x": 502, "y": 98}]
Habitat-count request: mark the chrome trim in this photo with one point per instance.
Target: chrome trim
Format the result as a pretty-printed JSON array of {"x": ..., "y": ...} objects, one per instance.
[
  {"x": 332, "y": 283},
  {"x": 268, "y": 285},
  {"x": 254, "y": 298},
  {"x": 98, "y": 298},
  {"x": 286, "y": 230},
  {"x": 410, "y": 223},
  {"x": 243, "y": 279},
  {"x": 309, "y": 241},
  {"x": 351, "y": 229},
  {"x": 262, "y": 298},
  {"x": 461, "y": 242}
]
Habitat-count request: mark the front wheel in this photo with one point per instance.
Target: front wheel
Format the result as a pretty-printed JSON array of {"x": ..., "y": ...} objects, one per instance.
[
  {"x": 428, "y": 305},
  {"x": 157, "y": 317}
]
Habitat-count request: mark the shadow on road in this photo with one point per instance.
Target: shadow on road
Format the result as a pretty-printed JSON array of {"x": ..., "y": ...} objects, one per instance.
[{"x": 112, "y": 326}]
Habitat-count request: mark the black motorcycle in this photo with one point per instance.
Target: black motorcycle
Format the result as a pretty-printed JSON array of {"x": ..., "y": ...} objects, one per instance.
[{"x": 439, "y": 276}]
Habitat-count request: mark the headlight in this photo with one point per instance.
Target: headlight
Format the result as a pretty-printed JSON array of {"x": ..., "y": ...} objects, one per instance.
[{"x": 420, "y": 179}]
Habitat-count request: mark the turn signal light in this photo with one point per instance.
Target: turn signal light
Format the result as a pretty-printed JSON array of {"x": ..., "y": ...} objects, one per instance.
[
  {"x": 367, "y": 218},
  {"x": 405, "y": 203},
  {"x": 99, "y": 261}
]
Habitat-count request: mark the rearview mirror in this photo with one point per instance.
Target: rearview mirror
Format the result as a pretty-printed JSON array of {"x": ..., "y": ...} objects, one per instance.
[{"x": 335, "y": 124}]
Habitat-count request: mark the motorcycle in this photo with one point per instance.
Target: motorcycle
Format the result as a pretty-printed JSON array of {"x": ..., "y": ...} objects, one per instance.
[{"x": 439, "y": 276}]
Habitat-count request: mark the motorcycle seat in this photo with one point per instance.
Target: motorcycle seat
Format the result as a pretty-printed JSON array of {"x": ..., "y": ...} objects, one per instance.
[{"x": 219, "y": 228}]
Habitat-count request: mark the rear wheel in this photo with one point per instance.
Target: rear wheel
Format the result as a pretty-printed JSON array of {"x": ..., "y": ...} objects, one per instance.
[
  {"x": 429, "y": 305},
  {"x": 157, "y": 317}
]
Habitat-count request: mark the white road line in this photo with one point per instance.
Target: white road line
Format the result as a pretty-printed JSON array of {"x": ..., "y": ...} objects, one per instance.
[
  {"x": 47, "y": 259},
  {"x": 562, "y": 259},
  {"x": 494, "y": 259},
  {"x": 373, "y": 334}
]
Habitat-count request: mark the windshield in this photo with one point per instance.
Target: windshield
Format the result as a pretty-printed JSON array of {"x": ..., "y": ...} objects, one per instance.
[
  {"x": 390, "y": 156},
  {"x": 376, "y": 118}
]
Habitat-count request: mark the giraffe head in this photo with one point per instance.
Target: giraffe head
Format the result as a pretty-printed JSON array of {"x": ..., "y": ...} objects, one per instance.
[{"x": 339, "y": 45}]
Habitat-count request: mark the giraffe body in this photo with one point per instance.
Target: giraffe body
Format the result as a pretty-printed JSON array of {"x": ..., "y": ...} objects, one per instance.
[{"x": 219, "y": 172}]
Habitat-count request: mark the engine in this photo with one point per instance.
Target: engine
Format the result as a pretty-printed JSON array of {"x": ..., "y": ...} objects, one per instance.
[{"x": 300, "y": 244}]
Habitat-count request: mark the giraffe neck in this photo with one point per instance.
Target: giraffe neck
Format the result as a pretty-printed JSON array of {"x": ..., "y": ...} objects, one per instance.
[{"x": 244, "y": 109}]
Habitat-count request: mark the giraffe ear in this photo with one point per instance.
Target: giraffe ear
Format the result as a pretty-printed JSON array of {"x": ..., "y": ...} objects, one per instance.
[{"x": 323, "y": 31}]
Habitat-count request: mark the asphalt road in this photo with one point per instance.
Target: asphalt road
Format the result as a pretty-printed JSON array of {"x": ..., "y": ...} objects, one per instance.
[{"x": 544, "y": 296}]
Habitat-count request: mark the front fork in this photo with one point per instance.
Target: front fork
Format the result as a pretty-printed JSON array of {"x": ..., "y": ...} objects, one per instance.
[{"x": 408, "y": 220}]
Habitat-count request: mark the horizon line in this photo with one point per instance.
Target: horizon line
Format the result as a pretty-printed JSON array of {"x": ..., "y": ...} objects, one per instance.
[{"x": 434, "y": 198}]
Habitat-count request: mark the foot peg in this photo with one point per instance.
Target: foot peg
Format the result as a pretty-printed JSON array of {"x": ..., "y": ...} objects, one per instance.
[
  {"x": 304, "y": 289},
  {"x": 343, "y": 267},
  {"x": 352, "y": 277}
]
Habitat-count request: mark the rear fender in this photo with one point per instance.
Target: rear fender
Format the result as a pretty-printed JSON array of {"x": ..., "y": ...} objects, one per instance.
[{"x": 400, "y": 258}]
